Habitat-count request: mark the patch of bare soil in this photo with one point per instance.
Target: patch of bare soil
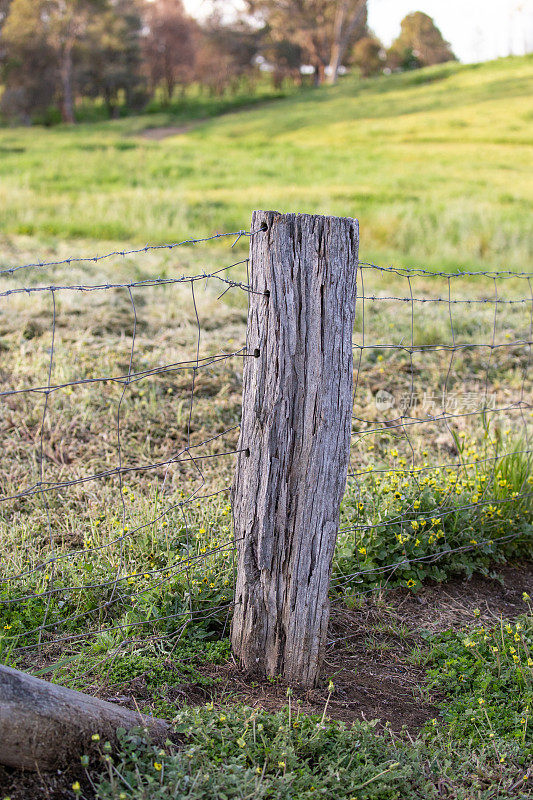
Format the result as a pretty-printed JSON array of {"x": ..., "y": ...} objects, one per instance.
[
  {"x": 438, "y": 607},
  {"x": 157, "y": 134},
  {"x": 17, "y": 785},
  {"x": 367, "y": 659}
]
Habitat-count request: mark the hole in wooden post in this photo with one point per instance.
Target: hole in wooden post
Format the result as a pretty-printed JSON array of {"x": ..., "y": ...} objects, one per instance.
[
  {"x": 263, "y": 226},
  {"x": 247, "y": 452},
  {"x": 257, "y": 352},
  {"x": 267, "y": 292}
]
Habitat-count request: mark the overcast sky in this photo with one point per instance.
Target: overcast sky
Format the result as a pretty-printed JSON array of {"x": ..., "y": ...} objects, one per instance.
[{"x": 478, "y": 30}]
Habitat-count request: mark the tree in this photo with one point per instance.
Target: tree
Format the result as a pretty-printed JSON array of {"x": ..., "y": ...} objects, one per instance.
[
  {"x": 168, "y": 45},
  {"x": 49, "y": 30},
  {"x": 323, "y": 29},
  {"x": 368, "y": 55},
  {"x": 286, "y": 58},
  {"x": 237, "y": 43},
  {"x": 29, "y": 63},
  {"x": 419, "y": 44},
  {"x": 4, "y": 11},
  {"x": 66, "y": 21},
  {"x": 226, "y": 53},
  {"x": 109, "y": 54},
  {"x": 350, "y": 16}
]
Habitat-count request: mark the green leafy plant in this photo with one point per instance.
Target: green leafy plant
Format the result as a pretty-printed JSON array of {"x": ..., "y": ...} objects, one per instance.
[
  {"x": 239, "y": 753},
  {"x": 402, "y": 525},
  {"x": 487, "y": 675}
]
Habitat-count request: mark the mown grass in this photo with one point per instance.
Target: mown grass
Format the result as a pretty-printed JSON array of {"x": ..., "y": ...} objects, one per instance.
[{"x": 433, "y": 163}]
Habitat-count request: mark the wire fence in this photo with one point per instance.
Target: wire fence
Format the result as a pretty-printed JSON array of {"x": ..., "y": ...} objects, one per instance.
[
  {"x": 119, "y": 417},
  {"x": 441, "y": 473},
  {"x": 89, "y": 469}
]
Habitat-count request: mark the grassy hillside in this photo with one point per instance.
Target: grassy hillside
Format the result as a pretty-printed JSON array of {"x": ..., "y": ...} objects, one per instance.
[{"x": 433, "y": 163}]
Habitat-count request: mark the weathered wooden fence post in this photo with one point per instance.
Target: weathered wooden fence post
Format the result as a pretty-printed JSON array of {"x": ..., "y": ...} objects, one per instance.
[{"x": 295, "y": 434}]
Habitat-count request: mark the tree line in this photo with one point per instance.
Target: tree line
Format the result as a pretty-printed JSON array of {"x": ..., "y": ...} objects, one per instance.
[{"x": 125, "y": 53}]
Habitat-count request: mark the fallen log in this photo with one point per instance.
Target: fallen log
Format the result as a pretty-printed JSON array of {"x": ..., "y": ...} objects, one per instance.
[{"x": 44, "y": 726}]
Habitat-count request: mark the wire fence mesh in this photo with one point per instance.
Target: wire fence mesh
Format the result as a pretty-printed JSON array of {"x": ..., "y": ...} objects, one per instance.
[
  {"x": 119, "y": 415},
  {"x": 441, "y": 477},
  {"x": 113, "y": 433}
]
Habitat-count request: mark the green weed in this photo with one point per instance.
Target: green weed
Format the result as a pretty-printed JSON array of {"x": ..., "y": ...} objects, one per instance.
[
  {"x": 487, "y": 675},
  {"x": 402, "y": 525},
  {"x": 238, "y": 753}
]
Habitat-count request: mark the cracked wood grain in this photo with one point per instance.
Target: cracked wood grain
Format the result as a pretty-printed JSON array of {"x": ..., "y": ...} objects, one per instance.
[{"x": 295, "y": 431}]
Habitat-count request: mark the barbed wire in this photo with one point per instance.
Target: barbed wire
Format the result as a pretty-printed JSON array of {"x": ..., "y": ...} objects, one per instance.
[
  {"x": 63, "y": 605},
  {"x": 415, "y": 272},
  {"x": 145, "y": 283},
  {"x": 123, "y": 253},
  {"x": 43, "y": 486},
  {"x": 207, "y": 361}
]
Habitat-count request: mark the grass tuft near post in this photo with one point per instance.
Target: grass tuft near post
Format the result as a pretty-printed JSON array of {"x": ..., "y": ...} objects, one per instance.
[{"x": 295, "y": 438}]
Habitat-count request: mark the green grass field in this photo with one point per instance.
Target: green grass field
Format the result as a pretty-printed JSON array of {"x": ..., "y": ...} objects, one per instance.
[
  {"x": 122, "y": 587},
  {"x": 434, "y": 164}
]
